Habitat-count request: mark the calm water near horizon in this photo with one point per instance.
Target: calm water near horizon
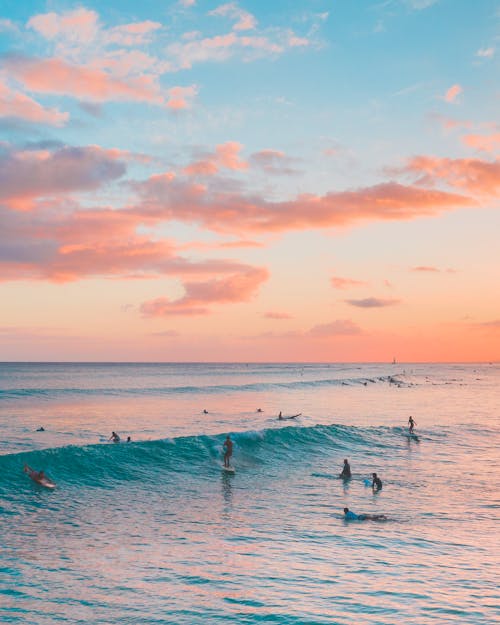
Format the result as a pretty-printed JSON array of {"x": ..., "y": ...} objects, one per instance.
[{"x": 154, "y": 531}]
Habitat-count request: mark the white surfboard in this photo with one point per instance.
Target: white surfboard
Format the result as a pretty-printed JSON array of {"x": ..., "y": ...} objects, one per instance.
[{"x": 228, "y": 469}]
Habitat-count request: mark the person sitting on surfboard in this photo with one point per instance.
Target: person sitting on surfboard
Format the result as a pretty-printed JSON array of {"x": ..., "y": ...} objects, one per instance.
[
  {"x": 411, "y": 425},
  {"x": 352, "y": 516},
  {"x": 377, "y": 482},
  {"x": 114, "y": 437},
  {"x": 346, "y": 470},
  {"x": 228, "y": 446}
]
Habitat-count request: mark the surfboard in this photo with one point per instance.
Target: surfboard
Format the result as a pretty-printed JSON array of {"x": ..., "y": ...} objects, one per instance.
[
  {"x": 412, "y": 436},
  {"x": 43, "y": 481},
  {"x": 227, "y": 469}
]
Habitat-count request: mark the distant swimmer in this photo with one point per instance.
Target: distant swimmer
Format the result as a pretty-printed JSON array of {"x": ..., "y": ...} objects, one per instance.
[
  {"x": 114, "y": 437},
  {"x": 411, "y": 425},
  {"x": 377, "y": 482},
  {"x": 228, "y": 450},
  {"x": 205, "y": 411},
  {"x": 129, "y": 440},
  {"x": 41, "y": 429},
  {"x": 352, "y": 516},
  {"x": 259, "y": 409},
  {"x": 346, "y": 470}
]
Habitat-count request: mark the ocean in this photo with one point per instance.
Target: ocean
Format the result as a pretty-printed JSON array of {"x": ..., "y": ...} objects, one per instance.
[{"x": 155, "y": 532}]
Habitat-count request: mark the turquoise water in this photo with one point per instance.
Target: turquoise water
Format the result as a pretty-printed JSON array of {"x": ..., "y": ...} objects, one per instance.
[{"x": 154, "y": 532}]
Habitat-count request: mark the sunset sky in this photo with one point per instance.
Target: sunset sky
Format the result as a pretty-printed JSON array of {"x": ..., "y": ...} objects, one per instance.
[{"x": 261, "y": 180}]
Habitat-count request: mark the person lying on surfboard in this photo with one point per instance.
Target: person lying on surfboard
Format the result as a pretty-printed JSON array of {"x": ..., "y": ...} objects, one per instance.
[
  {"x": 282, "y": 418},
  {"x": 352, "y": 516},
  {"x": 228, "y": 447}
]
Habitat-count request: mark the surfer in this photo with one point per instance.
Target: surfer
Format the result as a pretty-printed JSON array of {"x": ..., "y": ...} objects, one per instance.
[
  {"x": 205, "y": 411},
  {"x": 129, "y": 440},
  {"x": 411, "y": 425},
  {"x": 259, "y": 409},
  {"x": 377, "y": 482},
  {"x": 293, "y": 416},
  {"x": 228, "y": 450},
  {"x": 41, "y": 429},
  {"x": 114, "y": 437},
  {"x": 346, "y": 470},
  {"x": 352, "y": 516}
]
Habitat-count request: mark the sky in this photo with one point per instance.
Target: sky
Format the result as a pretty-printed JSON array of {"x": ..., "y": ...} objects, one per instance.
[{"x": 202, "y": 180}]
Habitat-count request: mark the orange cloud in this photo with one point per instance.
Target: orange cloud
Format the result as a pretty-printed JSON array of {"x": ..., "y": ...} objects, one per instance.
[
  {"x": 473, "y": 175},
  {"x": 483, "y": 143},
  {"x": 345, "y": 283},
  {"x": 228, "y": 211},
  {"x": 57, "y": 76},
  {"x": 273, "y": 162},
  {"x": 226, "y": 155},
  {"x": 16, "y": 104},
  {"x": 425, "y": 268},
  {"x": 452, "y": 93},
  {"x": 277, "y": 315},
  {"x": 236, "y": 288}
]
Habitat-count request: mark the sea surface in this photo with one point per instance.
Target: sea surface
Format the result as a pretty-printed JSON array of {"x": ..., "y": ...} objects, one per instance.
[{"x": 154, "y": 532}]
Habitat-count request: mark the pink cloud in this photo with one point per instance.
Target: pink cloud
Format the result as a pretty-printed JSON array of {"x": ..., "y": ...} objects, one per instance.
[
  {"x": 225, "y": 155},
  {"x": 25, "y": 175},
  {"x": 277, "y": 315},
  {"x": 345, "y": 283},
  {"x": 244, "y": 20},
  {"x": 16, "y": 104},
  {"x": 56, "y": 76},
  {"x": 473, "y": 175},
  {"x": 180, "y": 97},
  {"x": 452, "y": 93},
  {"x": 229, "y": 211},
  {"x": 483, "y": 143},
  {"x": 80, "y": 25},
  {"x": 134, "y": 34},
  {"x": 372, "y": 302},
  {"x": 340, "y": 327},
  {"x": 236, "y": 288}
]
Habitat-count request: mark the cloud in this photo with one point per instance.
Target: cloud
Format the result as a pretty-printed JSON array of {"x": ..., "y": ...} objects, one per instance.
[
  {"x": 199, "y": 295},
  {"x": 425, "y": 268},
  {"x": 230, "y": 211},
  {"x": 276, "y": 315},
  {"x": 345, "y": 283},
  {"x": 133, "y": 34},
  {"x": 16, "y": 104},
  {"x": 180, "y": 98},
  {"x": 372, "y": 302},
  {"x": 483, "y": 143},
  {"x": 243, "y": 19},
  {"x": 487, "y": 325},
  {"x": 486, "y": 53},
  {"x": 226, "y": 155},
  {"x": 29, "y": 174},
  {"x": 56, "y": 76},
  {"x": 273, "y": 162},
  {"x": 473, "y": 175},
  {"x": 340, "y": 327},
  {"x": 452, "y": 93},
  {"x": 7, "y": 25},
  {"x": 78, "y": 26}
]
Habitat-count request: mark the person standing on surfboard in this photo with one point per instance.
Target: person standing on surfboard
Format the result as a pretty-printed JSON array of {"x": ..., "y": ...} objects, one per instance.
[
  {"x": 346, "y": 470},
  {"x": 228, "y": 447},
  {"x": 411, "y": 425}
]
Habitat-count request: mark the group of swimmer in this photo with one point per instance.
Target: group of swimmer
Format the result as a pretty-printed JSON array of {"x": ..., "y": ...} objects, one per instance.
[{"x": 376, "y": 486}]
